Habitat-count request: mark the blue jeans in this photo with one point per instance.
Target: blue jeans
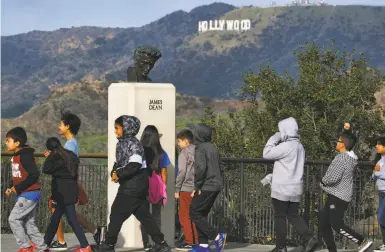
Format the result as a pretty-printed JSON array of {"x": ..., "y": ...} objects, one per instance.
[{"x": 381, "y": 213}]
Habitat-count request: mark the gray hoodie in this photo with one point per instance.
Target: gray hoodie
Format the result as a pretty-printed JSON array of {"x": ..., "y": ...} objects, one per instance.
[
  {"x": 285, "y": 148},
  {"x": 185, "y": 177}
]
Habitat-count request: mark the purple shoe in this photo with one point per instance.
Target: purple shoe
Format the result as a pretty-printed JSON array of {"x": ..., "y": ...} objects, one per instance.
[
  {"x": 221, "y": 242},
  {"x": 197, "y": 248}
]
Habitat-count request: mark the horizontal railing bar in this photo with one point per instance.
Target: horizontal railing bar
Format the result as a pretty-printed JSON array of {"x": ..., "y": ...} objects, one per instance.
[
  {"x": 86, "y": 155},
  {"x": 225, "y": 159}
]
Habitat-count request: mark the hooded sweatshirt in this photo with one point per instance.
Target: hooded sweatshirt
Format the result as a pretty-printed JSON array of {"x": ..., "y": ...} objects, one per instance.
[
  {"x": 64, "y": 185},
  {"x": 130, "y": 165},
  {"x": 25, "y": 174},
  {"x": 379, "y": 176},
  {"x": 285, "y": 148},
  {"x": 186, "y": 164},
  {"x": 208, "y": 175}
]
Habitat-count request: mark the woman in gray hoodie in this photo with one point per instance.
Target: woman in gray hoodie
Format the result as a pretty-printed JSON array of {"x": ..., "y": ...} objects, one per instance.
[{"x": 286, "y": 186}]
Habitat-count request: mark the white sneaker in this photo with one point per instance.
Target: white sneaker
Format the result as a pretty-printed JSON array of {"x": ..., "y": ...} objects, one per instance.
[
  {"x": 365, "y": 245},
  {"x": 380, "y": 249}
]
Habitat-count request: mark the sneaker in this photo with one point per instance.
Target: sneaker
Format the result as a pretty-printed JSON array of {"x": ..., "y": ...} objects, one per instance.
[
  {"x": 57, "y": 246},
  {"x": 30, "y": 249},
  {"x": 87, "y": 249},
  {"x": 179, "y": 244},
  {"x": 311, "y": 245},
  {"x": 96, "y": 236},
  {"x": 185, "y": 247},
  {"x": 221, "y": 242},
  {"x": 147, "y": 247},
  {"x": 277, "y": 249},
  {"x": 197, "y": 248},
  {"x": 105, "y": 248},
  {"x": 365, "y": 245},
  {"x": 380, "y": 249},
  {"x": 34, "y": 247},
  {"x": 163, "y": 247}
]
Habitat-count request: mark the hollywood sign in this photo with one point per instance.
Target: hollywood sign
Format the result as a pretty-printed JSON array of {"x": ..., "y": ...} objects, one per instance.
[{"x": 224, "y": 25}]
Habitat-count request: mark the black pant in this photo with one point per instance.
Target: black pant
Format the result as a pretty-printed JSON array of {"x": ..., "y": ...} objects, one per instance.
[
  {"x": 199, "y": 210},
  {"x": 69, "y": 211},
  {"x": 288, "y": 210},
  {"x": 156, "y": 213},
  {"x": 122, "y": 208},
  {"x": 332, "y": 216}
]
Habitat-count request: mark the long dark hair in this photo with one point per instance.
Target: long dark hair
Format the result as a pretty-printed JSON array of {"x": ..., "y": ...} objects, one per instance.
[
  {"x": 380, "y": 141},
  {"x": 150, "y": 139},
  {"x": 53, "y": 144}
]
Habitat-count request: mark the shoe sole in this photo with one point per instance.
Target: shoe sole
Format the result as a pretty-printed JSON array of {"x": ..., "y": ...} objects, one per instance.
[
  {"x": 58, "y": 249},
  {"x": 183, "y": 249},
  {"x": 366, "y": 247}
]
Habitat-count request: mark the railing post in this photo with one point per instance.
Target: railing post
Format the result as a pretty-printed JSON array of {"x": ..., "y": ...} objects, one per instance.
[
  {"x": 242, "y": 207},
  {"x": 306, "y": 213},
  {"x": 320, "y": 206}
]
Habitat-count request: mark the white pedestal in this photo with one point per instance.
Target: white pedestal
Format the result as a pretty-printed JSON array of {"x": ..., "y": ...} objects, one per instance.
[{"x": 153, "y": 104}]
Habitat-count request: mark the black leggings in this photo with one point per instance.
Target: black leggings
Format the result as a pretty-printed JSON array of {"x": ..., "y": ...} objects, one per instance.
[{"x": 69, "y": 211}]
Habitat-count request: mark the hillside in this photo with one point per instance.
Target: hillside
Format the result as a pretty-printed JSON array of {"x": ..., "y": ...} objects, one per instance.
[
  {"x": 89, "y": 100},
  {"x": 206, "y": 64}
]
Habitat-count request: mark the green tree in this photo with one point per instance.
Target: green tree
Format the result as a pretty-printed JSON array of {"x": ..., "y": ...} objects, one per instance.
[{"x": 333, "y": 86}]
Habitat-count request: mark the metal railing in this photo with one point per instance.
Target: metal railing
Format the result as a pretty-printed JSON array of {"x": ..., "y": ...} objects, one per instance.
[{"x": 243, "y": 208}]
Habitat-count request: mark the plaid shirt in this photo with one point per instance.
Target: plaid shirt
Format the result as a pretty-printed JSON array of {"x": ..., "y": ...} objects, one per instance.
[{"x": 338, "y": 179}]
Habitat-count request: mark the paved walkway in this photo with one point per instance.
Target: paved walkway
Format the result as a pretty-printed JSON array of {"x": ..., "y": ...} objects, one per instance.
[{"x": 8, "y": 244}]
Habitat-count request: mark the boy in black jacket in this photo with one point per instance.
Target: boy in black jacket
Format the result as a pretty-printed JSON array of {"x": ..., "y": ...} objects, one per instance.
[
  {"x": 130, "y": 170},
  {"x": 208, "y": 184}
]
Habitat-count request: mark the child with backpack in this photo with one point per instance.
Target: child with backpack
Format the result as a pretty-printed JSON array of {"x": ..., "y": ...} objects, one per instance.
[{"x": 157, "y": 195}]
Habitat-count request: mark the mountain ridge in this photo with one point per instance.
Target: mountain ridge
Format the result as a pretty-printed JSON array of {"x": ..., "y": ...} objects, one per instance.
[{"x": 207, "y": 64}]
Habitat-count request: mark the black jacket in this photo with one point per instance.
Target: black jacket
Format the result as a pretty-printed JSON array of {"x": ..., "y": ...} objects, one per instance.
[
  {"x": 132, "y": 179},
  {"x": 208, "y": 175},
  {"x": 64, "y": 185}
]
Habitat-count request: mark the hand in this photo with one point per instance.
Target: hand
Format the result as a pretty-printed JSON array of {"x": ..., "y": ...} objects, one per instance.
[
  {"x": 9, "y": 191},
  {"x": 176, "y": 195},
  {"x": 115, "y": 177},
  {"x": 376, "y": 168},
  {"x": 347, "y": 126},
  {"x": 195, "y": 192},
  {"x": 277, "y": 137},
  {"x": 46, "y": 153}
]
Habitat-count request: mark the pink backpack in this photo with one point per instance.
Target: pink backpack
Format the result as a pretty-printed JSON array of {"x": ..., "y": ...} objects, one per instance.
[{"x": 157, "y": 189}]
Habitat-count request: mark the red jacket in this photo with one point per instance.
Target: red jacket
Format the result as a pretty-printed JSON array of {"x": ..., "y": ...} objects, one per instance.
[{"x": 25, "y": 174}]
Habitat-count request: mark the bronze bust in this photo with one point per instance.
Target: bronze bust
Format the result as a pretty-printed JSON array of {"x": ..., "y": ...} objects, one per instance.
[{"x": 145, "y": 58}]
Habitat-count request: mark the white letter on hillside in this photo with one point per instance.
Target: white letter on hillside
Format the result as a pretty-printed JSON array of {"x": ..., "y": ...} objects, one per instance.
[
  {"x": 245, "y": 25},
  {"x": 202, "y": 26},
  {"x": 236, "y": 25},
  {"x": 221, "y": 25},
  {"x": 229, "y": 25},
  {"x": 213, "y": 25}
]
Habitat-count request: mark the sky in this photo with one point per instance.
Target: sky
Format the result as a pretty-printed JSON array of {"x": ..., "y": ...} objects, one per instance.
[{"x": 20, "y": 16}]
